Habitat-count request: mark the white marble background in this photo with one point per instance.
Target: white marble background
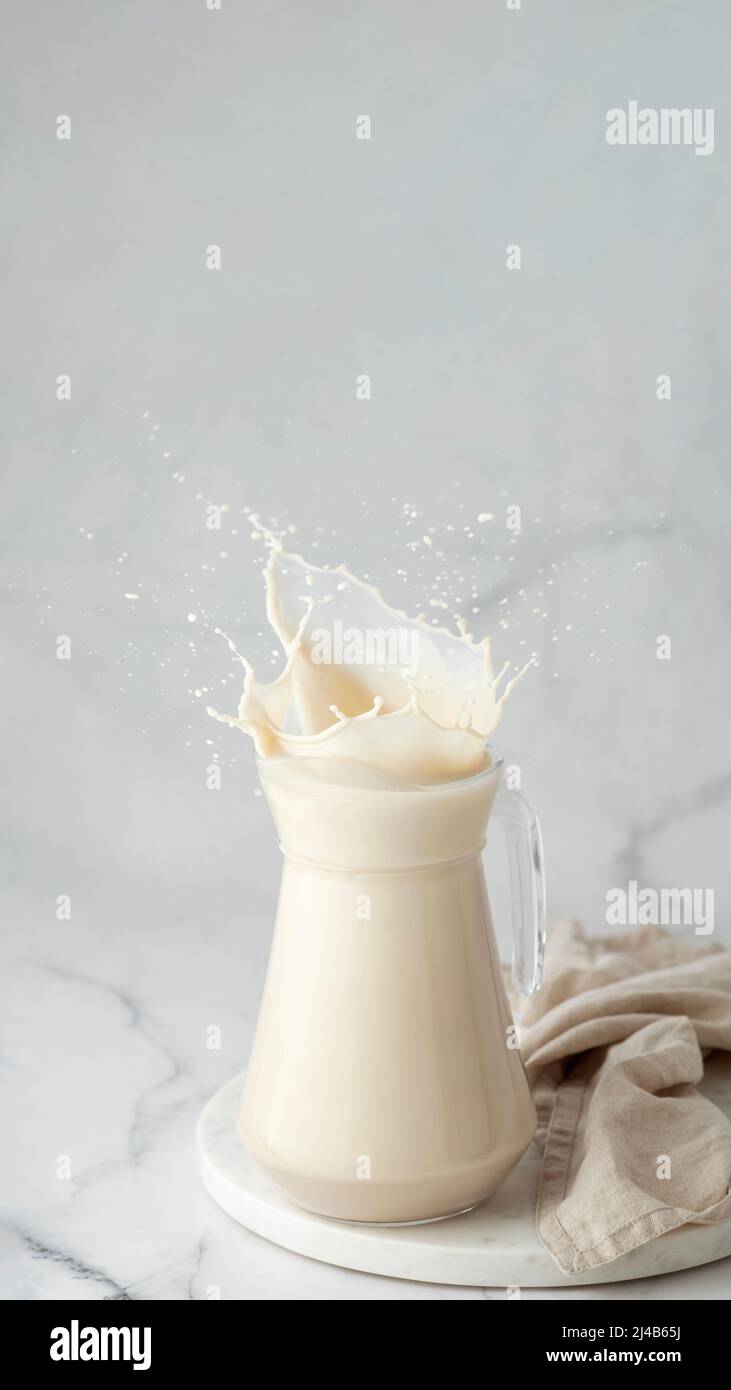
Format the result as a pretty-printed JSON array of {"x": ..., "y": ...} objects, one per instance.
[{"x": 237, "y": 387}]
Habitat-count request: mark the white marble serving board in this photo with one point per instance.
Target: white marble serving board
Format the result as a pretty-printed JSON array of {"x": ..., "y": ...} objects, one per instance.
[{"x": 495, "y": 1245}]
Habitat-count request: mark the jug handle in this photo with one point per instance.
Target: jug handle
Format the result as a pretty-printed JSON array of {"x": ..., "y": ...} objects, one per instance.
[{"x": 524, "y": 847}]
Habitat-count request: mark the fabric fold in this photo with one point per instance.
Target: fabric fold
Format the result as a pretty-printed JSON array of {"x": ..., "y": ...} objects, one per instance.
[{"x": 614, "y": 1047}]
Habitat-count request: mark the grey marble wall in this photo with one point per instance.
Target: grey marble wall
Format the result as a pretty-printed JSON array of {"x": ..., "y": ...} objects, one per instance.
[{"x": 490, "y": 387}]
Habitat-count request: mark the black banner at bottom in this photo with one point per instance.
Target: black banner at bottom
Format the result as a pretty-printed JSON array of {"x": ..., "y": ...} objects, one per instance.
[{"x": 124, "y": 1338}]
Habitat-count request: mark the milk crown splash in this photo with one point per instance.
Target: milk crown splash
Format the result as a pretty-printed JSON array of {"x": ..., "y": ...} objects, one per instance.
[{"x": 365, "y": 686}]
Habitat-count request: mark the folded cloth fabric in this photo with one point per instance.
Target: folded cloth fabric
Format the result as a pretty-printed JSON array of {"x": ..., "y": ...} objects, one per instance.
[{"x": 613, "y": 1044}]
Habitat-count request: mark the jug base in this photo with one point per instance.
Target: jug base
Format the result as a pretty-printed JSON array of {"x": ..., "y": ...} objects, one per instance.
[
  {"x": 386, "y": 1208},
  {"x": 405, "y": 1202},
  {"x": 395, "y": 1225}
]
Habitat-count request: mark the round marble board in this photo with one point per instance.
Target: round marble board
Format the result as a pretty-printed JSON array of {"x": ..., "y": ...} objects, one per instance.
[{"x": 493, "y": 1246}]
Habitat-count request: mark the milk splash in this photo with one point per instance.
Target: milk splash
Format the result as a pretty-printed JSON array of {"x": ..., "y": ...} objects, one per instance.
[{"x": 421, "y": 722}]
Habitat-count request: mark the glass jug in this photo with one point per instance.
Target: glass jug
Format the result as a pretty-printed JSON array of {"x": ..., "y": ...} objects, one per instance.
[{"x": 385, "y": 1082}]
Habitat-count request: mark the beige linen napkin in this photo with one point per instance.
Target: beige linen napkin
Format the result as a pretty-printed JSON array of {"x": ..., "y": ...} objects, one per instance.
[{"x": 613, "y": 1043}]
